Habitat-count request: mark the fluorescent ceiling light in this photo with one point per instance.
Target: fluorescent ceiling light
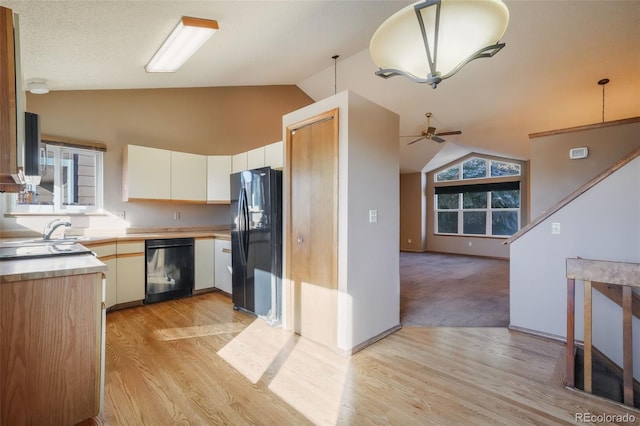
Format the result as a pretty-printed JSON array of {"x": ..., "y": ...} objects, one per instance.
[{"x": 186, "y": 38}]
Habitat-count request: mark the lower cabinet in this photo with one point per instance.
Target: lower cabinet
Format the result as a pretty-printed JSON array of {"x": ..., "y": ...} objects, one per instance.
[
  {"x": 130, "y": 272},
  {"x": 107, "y": 255},
  {"x": 50, "y": 350},
  {"x": 204, "y": 263},
  {"x": 223, "y": 265}
]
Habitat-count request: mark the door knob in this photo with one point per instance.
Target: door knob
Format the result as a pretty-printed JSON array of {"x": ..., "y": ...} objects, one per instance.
[{"x": 300, "y": 239}]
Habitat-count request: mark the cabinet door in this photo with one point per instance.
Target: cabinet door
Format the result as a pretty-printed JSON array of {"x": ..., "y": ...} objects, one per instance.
[
  {"x": 130, "y": 281},
  {"x": 218, "y": 183},
  {"x": 274, "y": 155},
  {"x": 188, "y": 176},
  {"x": 130, "y": 272},
  {"x": 8, "y": 130},
  {"x": 255, "y": 158},
  {"x": 223, "y": 265},
  {"x": 204, "y": 263},
  {"x": 112, "y": 277},
  {"x": 239, "y": 162},
  {"x": 147, "y": 173}
]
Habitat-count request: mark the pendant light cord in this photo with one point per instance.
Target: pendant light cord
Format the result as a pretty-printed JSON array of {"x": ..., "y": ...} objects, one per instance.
[
  {"x": 603, "y": 103},
  {"x": 335, "y": 73},
  {"x": 603, "y": 83}
]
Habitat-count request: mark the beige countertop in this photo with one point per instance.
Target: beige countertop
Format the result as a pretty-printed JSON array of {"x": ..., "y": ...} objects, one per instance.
[
  {"x": 27, "y": 269},
  {"x": 49, "y": 267}
]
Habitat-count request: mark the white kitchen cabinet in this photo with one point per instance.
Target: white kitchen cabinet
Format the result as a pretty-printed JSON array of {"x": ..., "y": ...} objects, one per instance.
[
  {"x": 218, "y": 182},
  {"x": 274, "y": 155},
  {"x": 255, "y": 158},
  {"x": 204, "y": 263},
  {"x": 239, "y": 162},
  {"x": 188, "y": 177},
  {"x": 223, "y": 265},
  {"x": 130, "y": 272},
  {"x": 146, "y": 173},
  {"x": 107, "y": 255}
]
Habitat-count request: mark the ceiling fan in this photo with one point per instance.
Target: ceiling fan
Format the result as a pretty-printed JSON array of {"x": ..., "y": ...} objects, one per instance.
[{"x": 431, "y": 133}]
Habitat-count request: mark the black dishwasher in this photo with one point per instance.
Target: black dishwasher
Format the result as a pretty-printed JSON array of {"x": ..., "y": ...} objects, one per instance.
[{"x": 169, "y": 269}]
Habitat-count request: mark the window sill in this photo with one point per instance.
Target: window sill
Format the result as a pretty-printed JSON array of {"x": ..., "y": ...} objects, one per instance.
[
  {"x": 491, "y": 237},
  {"x": 55, "y": 214}
]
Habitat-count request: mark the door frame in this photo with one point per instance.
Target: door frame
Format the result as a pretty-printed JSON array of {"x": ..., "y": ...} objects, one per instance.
[{"x": 289, "y": 297}]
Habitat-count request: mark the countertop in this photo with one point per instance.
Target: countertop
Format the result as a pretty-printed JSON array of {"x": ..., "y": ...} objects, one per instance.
[
  {"x": 27, "y": 269},
  {"x": 49, "y": 267}
]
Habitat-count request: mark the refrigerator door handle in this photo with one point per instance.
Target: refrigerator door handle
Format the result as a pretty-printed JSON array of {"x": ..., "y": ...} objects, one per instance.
[
  {"x": 242, "y": 226},
  {"x": 246, "y": 223}
]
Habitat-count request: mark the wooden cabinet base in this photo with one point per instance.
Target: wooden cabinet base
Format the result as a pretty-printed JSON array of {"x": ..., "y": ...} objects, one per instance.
[{"x": 50, "y": 350}]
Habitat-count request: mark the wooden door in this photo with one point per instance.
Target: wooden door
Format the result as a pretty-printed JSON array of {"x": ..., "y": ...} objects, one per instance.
[{"x": 312, "y": 238}]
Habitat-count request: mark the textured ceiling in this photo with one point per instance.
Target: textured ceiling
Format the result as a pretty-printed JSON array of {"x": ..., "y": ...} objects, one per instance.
[{"x": 544, "y": 79}]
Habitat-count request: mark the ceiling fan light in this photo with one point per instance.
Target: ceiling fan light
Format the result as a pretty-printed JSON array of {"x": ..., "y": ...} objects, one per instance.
[
  {"x": 431, "y": 40},
  {"x": 186, "y": 38}
]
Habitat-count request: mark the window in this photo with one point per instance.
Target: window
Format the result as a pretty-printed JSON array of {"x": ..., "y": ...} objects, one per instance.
[
  {"x": 483, "y": 208},
  {"x": 70, "y": 180}
]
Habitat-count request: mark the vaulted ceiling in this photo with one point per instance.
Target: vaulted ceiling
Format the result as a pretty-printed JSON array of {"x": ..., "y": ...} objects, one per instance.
[{"x": 545, "y": 78}]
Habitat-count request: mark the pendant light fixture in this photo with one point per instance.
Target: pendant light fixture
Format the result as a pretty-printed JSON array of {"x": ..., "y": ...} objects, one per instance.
[
  {"x": 432, "y": 40},
  {"x": 185, "y": 39}
]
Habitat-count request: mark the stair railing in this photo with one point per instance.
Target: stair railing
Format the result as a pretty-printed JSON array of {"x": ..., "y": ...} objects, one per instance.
[{"x": 626, "y": 275}]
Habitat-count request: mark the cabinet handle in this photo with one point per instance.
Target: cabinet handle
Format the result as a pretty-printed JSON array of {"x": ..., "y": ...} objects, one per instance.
[{"x": 226, "y": 250}]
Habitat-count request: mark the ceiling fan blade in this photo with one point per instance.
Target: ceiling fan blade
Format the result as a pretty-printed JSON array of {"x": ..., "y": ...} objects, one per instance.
[
  {"x": 437, "y": 139},
  {"x": 410, "y": 136},
  {"x": 419, "y": 139},
  {"x": 454, "y": 132}
]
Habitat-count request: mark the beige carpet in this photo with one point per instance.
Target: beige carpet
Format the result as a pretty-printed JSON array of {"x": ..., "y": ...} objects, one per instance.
[{"x": 448, "y": 290}]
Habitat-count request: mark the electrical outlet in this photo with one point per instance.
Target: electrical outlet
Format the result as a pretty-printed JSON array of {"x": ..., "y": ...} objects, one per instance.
[
  {"x": 176, "y": 215},
  {"x": 470, "y": 243},
  {"x": 555, "y": 228},
  {"x": 409, "y": 241},
  {"x": 120, "y": 214}
]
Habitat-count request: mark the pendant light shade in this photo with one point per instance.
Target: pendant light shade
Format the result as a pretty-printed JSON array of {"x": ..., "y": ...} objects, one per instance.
[{"x": 431, "y": 40}]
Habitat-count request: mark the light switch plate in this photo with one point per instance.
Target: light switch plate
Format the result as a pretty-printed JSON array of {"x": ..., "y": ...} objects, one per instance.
[
  {"x": 555, "y": 228},
  {"x": 373, "y": 216}
]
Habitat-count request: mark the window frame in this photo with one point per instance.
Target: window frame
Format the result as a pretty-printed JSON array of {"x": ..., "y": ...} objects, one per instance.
[
  {"x": 461, "y": 185},
  {"x": 57, "y": 207}
]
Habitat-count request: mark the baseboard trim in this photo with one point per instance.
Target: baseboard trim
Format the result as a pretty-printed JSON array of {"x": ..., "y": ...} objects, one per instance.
[
  {"x": 537, "y": 333},
  {"x": 413, "y": 251},
  {"x": 368, "y": 342},
  {"x": 469, "y": 255}
]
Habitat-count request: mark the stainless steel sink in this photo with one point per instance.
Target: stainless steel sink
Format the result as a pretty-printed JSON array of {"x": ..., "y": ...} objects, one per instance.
[
  {"x": 40, "y": 241},
  {"x": 13, "y": 250}
]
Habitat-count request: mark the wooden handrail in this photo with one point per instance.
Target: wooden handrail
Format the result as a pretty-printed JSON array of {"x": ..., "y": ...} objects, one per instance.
[{"x": 626, "y": 275}]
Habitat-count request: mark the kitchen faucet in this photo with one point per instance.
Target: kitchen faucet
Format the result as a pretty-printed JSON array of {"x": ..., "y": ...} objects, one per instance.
[{"x": 52, "y": 226}]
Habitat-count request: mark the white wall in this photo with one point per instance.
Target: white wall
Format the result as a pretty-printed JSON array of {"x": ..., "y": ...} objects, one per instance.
[
  {"x": 368, "y": 253},
  {"x": 603, "y": 224}
]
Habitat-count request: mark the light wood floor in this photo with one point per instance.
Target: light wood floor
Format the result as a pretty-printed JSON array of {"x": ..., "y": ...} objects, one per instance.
[{"x": 195, "y": 361}]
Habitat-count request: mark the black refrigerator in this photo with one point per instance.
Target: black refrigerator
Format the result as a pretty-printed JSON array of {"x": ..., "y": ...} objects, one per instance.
[{"x": 256, "y": 242}]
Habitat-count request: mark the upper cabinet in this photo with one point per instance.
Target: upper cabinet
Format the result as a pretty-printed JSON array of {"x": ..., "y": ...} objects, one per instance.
[
  {"x": 188, "y": 177},
  {"x": 239, "y": 162},
  {"x": 8, "y": 115},
  {"x": 255, "y": 158},
  {"x": 218, "y": 182},
  {"x": 274, "y": 155},
  {"x": 146, "y": 173}
]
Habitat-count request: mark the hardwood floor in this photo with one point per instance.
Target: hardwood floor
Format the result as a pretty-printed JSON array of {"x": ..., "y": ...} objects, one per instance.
[{"x": 195, "y": 361}]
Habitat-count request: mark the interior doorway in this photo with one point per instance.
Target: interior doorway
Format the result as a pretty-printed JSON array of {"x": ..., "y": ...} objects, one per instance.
[{"x": 450, "y": 290}]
